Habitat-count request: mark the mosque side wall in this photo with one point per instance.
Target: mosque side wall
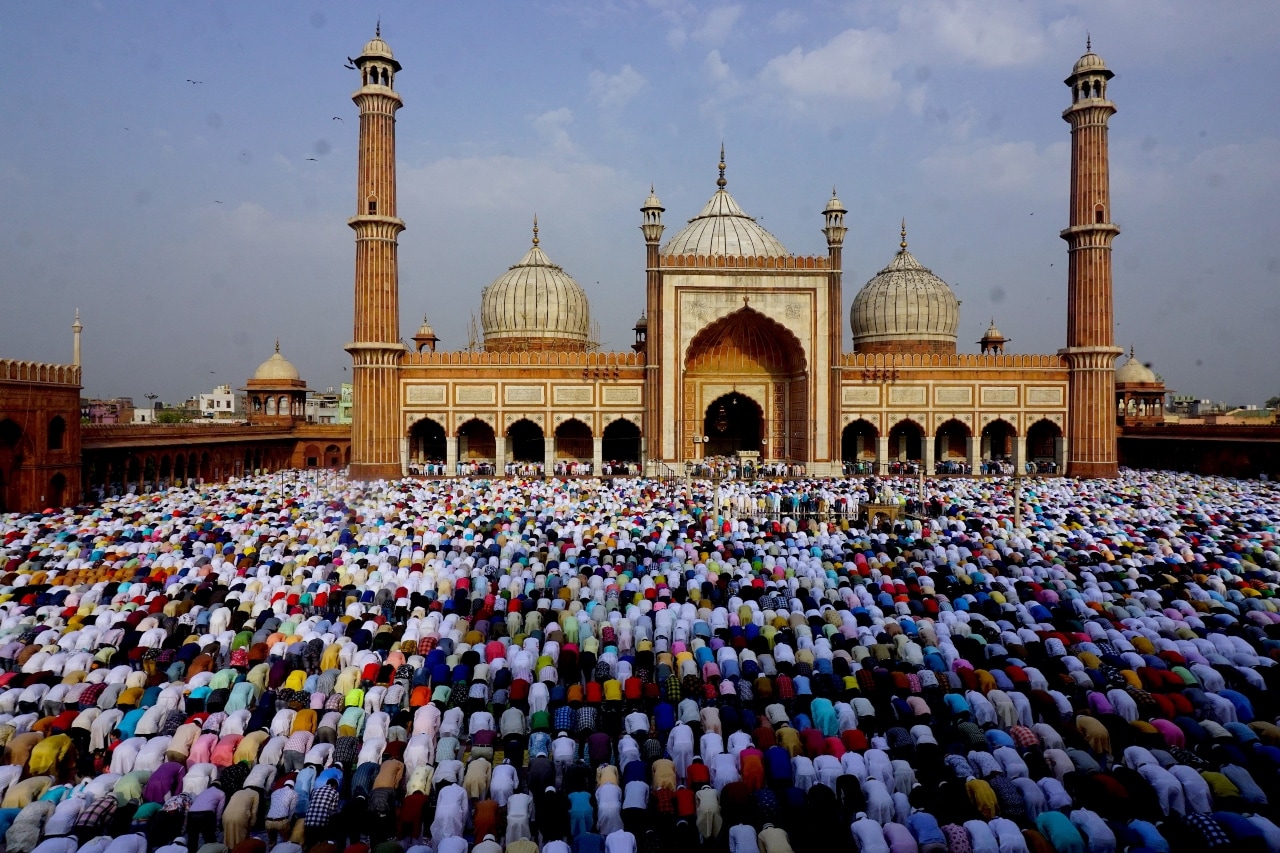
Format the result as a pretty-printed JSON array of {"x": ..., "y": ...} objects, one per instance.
[{"x": 28, "y": 463}]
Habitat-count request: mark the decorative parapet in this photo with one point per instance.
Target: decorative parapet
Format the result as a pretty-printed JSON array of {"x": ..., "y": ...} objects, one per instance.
[
  {"x": 749, "y": 262},
  {"x": 465, "y": 358},
  {"x": 12, "y": 370},
  {"x": 956, "y": 360}
]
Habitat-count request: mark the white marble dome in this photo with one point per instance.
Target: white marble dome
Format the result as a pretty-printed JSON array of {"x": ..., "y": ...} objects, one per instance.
[
  {"x": 724, "y": 229},
  {"x": 905, "y": 303},
  {"x": 1134, "y": 372},
  {"x": 276, "y": 369},
  {"x": 535, "y": 300}
]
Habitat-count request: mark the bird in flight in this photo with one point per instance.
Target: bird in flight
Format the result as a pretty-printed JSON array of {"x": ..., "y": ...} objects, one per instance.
[
  {"x": 195, "y": 82},
  {"x": 215, "y": 201},
  {"x": 311, "y": 158},
  {"x": 351, "y": 63},
  {"x": 337, "y": 118}
]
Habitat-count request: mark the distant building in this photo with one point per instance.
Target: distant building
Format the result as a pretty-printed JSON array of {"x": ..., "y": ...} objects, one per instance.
[
  {"x": 323, "y": 407},
  {"x": 143, "y": 416},
  {"x": 219, "y": 404},
  {"x": 344, "y": 404},
  {"x": 117, "y": 410}
]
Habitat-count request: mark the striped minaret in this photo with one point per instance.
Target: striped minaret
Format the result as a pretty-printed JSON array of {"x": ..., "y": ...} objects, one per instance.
[
  {"x": 1091, "y": 351},
  {"x": 376, "y": 349}
]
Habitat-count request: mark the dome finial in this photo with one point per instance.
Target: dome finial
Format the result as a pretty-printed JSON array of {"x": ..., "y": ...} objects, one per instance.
[
  {"x": 903, "y": 244},
  {"x": 535, "y": 229},
  {"x": 721, "y": 182},
  {"x": 277, "y": 346},
  {"x": 1088, "y": 42},
  {"x": 377, "y": 29}
]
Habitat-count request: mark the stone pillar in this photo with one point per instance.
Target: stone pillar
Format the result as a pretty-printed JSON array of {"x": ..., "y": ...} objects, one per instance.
[
  {"x": 549, "y": 455},
  {"x": 1020, "y": 453},
  {"x": 597, "y": 456},
  {"x": 451, "y": 454},
  {"x": 973, "y": 443},
  {"x": 499, "y": 453},
  {"x": 882, "y": 454},
  {"x": 1059, "y": 454},
  {"x": 927, "y": 445}
]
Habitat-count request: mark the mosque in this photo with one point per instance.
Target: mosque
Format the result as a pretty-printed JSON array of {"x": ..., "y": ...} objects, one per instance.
[{"x": 739, "y": 349}]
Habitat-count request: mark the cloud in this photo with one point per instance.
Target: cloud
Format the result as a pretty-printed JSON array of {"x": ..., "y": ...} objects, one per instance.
[
  {"x": 613, "y": 91},
  {"x": 1021, "y": 169},
  {"x": 718, "y": 24},
  {"x": 855, "y": 65},
  {"x": 982, "y": 33},
  {"x": 786, "y": 21},
  {"x": 551, "y": 127}
]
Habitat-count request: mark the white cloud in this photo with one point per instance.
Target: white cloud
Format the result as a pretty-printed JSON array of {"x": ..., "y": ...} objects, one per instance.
[
  {"x": 551, "y": 127},
  {"x": 985, "y": 33},
  {"x": 612, "y": 91},
  {"x": 1020, "y": 169},
  {"x": 786, "y": 21},
  {"x": 855, "y": 65},
  {"x": 718, "y": 24}
]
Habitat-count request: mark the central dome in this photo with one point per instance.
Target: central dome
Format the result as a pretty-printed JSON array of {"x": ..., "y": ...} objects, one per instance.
[
  {"x": 905, "y": 308},
  {"x": 535, "y": 305},
  {"x": 724, "y": 229}
]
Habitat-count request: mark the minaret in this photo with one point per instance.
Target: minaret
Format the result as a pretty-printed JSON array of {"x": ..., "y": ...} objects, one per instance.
[
  {"x": 834, "y": 230},
  {"x": 76, "y": 328},
  {"x": 1091, "y": 351},
  {"x": 652, "y": 228},
  {"x": 376, "y": 349}
]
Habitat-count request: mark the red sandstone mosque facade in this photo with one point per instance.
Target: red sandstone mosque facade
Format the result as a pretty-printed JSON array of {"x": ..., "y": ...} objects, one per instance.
[{"x": 739, "y": 348}]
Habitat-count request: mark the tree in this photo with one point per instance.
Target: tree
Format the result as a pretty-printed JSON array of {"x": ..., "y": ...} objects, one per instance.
[
  {"x": 173, "y": 416},
  {"x": 1274, "y": 402}
]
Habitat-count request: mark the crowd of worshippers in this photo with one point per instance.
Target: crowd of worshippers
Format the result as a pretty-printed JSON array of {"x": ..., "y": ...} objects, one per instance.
[{"x": 550, "y": 667}]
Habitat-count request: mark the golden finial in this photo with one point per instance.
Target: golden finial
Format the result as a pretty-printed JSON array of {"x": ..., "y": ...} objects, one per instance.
[
  {"x": 903, "y": 244},
  {"x": 721, "y": 182},
  {"x": 535, "y": 229}
]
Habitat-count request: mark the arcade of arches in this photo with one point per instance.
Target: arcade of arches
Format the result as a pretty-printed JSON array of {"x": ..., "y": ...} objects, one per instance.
[
  {"x": 746, "y": 388},
  {"x": 952, "y": 442},
  {"x": 524, "y": 442}
]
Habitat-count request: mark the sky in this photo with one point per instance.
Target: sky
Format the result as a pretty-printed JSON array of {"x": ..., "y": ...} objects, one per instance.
[{"x": 182, "y": 173}]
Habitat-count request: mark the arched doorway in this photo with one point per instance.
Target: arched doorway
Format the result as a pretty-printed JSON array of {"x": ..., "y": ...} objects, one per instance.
[
  {"x": 732, "y": 423},
  {"x": 57, "y": 490},
  {"x": 526, "y": 442},
  {"x": 10, "y": 460},
  {"x": 906, "y": 442},
  {"x": 1045, "y": 446},
  {"x": 621, "y": 442},
  {"x": 476, "y": 442},
  {"x": 997, "y": 441},
  {"x": 951, "y": 447},
  {"x": 333, "y": 457},
  {"x": 573, "y": 440},
  {"x": 749, "y": 358},
  {"x": 858, "y": 447},
  {"x": 311, "y": 456},
  {"x": 426, "y": 443}
]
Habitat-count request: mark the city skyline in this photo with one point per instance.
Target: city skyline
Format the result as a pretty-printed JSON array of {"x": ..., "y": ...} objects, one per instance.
[{"x": 184, "y": 176}]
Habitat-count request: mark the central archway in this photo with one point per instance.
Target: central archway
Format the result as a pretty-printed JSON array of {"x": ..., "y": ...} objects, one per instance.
[
  {"x": 751, "y": 358},
  {"x": 732, "y": 423}
]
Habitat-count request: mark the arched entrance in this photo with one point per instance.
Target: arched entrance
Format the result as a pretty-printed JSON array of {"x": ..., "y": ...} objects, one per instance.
[
  {"x": 858, "y": 447},
  {"x": 951, "y": 447},
  {"x": 905, "y": 441},
  {"x": 621, "y": 442},
  {"x": 526, "y": 442},
  {"x": 997, "y": 441},
  {"x": 476, "y": 442},
  {"x": 57, "y": 490},
  {"x": 426, "y": 443},
  {"x": 732, "y": 423},
  {"x": 10, "y": 460},
  {"x": 1045, "y": 446},
  {"x": 333, "y": 457},
  {"x": 752, "y": 360},
  {"x": 573, "y": 440}
]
